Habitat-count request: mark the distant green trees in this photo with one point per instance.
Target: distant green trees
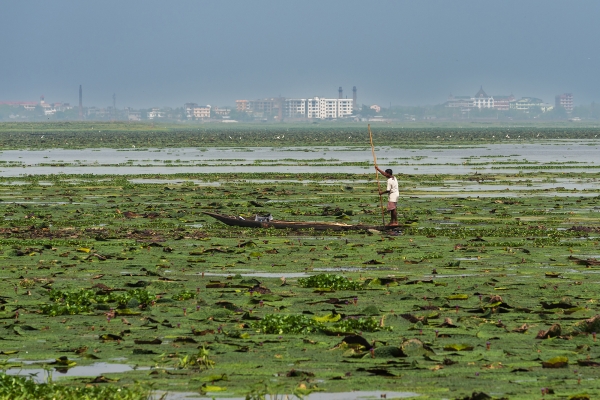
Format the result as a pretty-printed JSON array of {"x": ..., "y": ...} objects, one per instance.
[
  {"x": 19, "y": 113},
  {"x": 367, "y": 111},
  {"x": 67, "y": 115},
  {"x": 557, "y": 113},
  {"x": 591, "y": 111},
  {"x": 240, "y": 116}
]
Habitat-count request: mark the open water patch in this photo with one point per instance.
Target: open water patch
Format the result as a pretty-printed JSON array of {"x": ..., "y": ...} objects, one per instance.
[
  {"x": 358, "y": 395},
  {"x": 192, "y": 160},
  {"x": 287, "y": 275},
  {"x": 40, "y": 375}
]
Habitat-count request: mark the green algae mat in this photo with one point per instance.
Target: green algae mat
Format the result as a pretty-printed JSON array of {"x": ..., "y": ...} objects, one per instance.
[{"x": 487, "y": 294}]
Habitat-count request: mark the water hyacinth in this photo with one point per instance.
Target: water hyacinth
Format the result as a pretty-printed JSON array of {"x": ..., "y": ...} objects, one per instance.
[{"x": 330, "y": 281}]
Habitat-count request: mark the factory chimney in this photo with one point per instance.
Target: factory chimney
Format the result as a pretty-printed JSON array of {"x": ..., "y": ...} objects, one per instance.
[
  {"x": 80, "y": 104},
  {"x": 341, "y": 93},
  {"x": 354, "y": 103}
]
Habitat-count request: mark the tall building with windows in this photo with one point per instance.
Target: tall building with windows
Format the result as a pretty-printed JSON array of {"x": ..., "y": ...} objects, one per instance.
[
  {"x": 296, "y": 108},
  {"x": 262, "y": 108},
  {"x": 565, "y": 101},
  {"x": 188, "y": 109},
  {"x": 241, "y": 105},
  {"x": 263, "y": 105},
  {"x": 202, "y": 112},
  {"x": 318, "y": 108},
  {"x": 193, "y": 111}
]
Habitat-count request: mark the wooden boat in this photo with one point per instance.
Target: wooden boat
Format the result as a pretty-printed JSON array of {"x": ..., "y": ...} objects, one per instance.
[{"x": 319, "y": 226}]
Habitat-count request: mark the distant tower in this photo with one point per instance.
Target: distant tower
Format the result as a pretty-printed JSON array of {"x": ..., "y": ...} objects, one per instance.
[
  {"x": 341, "y": 93},
  {"x": 42, "y": 99},
  {"x": 354, "y": 103},
  {"x": 114, "y": 110},
  {"x": 80, "y": 103}
]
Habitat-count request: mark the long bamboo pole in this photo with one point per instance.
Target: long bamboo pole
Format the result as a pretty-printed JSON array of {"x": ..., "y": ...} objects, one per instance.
[{"x": 377, "y": 175}]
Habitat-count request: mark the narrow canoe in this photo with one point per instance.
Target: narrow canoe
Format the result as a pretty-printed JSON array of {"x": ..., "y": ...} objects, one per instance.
[{"x": 319, "y": 226}]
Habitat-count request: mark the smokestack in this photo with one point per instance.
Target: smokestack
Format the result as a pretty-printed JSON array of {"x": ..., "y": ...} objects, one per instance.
[
  {"x": 80, "y": 103},
  {"x": 341, "y": 93},
  {"x": 354, "y": 103}
]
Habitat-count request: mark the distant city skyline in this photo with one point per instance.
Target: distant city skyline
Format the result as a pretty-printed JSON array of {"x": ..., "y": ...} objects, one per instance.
[
  {"x": 440, "y": 98},
  {"x": 346, "y": 95},
  {"x": 281, "y": 109}
]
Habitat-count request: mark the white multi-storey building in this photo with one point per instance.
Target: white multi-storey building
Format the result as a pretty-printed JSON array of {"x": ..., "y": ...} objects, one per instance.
[
  {"x": 480, "y": 100},
  {"x": 295, "y": 108},
  {"x": 345, "y": 107},
  {"x": 318, "y": 108}
]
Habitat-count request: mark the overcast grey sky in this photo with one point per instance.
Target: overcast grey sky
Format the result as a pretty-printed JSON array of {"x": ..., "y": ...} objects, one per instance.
[{"x": 166, "y": 53}]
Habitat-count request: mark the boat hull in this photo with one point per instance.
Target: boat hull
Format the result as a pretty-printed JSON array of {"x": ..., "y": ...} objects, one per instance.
[{"x": 318, "y": 226}]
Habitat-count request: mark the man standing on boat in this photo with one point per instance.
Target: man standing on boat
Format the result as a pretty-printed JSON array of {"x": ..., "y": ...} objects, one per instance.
[{"x": 392, "y": 189}]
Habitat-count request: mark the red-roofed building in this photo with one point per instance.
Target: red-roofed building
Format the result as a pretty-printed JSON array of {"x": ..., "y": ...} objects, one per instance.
[{"x": 502, "y": 103}]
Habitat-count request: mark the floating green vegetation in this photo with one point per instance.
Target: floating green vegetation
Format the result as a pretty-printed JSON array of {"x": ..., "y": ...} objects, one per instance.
[
  {"x": 85, "y": 301},
  {"x": 492, "y": 290},
  {"x": 142, "y": 136},
  {"x": 329, "y": 281},
  {"x": 294, "y": 324},
  {"x": 17, "y": 387}
]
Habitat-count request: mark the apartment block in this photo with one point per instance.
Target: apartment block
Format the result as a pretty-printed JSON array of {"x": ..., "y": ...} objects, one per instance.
[
  {"x": 201, "y": 112},
  {"x": 565, "y": 101},
  {"x": 318, "y": 108}
]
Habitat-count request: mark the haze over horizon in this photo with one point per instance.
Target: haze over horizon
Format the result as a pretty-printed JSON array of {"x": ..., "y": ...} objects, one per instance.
[{"x": 157, "y": 53}]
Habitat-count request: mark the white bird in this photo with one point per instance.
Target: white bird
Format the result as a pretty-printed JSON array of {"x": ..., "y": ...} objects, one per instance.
[{"x": 508, "y": 137}]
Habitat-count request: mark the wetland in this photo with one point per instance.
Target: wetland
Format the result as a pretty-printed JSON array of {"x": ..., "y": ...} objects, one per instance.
[{"x": 114, "y": 279}]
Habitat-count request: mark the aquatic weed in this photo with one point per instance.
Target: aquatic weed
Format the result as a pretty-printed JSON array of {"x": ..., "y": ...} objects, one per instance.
[
  {"x": 21, "y": 388},
  {"x": 331, "y": 281}
]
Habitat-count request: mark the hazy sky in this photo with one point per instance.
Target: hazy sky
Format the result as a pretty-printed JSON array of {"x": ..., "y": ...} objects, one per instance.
[{"x": 166, "y": 53}]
